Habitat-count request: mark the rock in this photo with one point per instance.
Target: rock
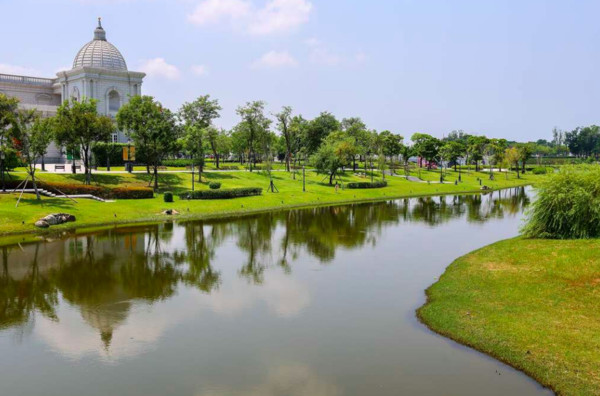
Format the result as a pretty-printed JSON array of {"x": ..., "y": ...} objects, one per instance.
[
  {"x": 170, "y": 212},
  {"x": 42, "y": 224},
  {"x": 484, "y": 188},
  {"x": 54, "y": 219}
]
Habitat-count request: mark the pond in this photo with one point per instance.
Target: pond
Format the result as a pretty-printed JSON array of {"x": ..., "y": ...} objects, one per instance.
[{"x": 306, "y": 302}]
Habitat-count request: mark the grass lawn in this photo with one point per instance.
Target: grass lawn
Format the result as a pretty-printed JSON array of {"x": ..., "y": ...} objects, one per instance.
[
  {"x": 318, "y": 192},
  {"x": 533, "y": 304}
]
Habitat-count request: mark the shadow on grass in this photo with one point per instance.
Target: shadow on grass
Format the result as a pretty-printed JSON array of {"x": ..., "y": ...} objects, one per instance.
[
  {"x": 61, "y": 203},
  {"x": 218, "y": 175},
  {"x": 166, "y": 181},
  {"x": 96, "y": 179}
]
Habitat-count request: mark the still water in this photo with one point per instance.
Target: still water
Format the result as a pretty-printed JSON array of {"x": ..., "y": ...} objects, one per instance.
[{"x": 305, "y": 302}]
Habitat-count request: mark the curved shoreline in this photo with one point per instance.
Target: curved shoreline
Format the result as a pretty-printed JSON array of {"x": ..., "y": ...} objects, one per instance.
[{"x": 13, "y": 237}]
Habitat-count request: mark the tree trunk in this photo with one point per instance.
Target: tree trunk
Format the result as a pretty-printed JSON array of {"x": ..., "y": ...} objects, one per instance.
[
  {"x": 331, "y": 178},
  {"x": 43, "y": 164},
  {"x": 86, "y": 165},
  {"x": 156, "y": 178},
  {"x": 354, "y": 163},
  {"x": 148, "y": 168},
  {"x": 32, "y": 174},
  {"x": 217, "y": 159}
]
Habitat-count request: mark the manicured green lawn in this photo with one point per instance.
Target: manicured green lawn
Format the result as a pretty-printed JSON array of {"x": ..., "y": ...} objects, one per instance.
[
  {"x": 534, "y": 304},
  {"x": 92, "y": 213}
]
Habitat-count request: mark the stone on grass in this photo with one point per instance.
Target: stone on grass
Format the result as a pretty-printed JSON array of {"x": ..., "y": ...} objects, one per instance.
[{"x": 54, "y": 219}]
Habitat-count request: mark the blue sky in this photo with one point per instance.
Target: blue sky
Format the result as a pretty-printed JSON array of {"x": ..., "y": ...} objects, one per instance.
[{"x": 511, "y": 69}]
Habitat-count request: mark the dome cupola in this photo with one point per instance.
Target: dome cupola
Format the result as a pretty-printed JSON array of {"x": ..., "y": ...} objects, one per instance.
[{"x": 99, "y": 53}]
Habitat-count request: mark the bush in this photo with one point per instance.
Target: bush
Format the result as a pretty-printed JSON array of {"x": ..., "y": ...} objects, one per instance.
[
  {"x": 222, "y": 194},
  {"x": 567, "y": 205},
  {"x": 168, "y": 197},
  {"x": 358, "y": 185},
  {"x": 539, "y": 171},
  {"x": 214, "y": 185},
  {"x": 79, "y": 189},
  {"x": 114, "y": 151}
]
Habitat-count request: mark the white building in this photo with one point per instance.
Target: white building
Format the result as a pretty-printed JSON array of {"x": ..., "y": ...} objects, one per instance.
[{"x": 99, "y": 71}]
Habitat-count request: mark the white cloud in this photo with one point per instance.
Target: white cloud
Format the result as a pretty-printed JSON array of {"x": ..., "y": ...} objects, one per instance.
[
  {"x": 276, "y": 16},
  {"x": 319, "y": 54},
  {"x": 159, "y": 68},
  {"x": 280, "y": 16},
  {"x": 216, "y": 11},
  {"x": 199, "y": 70},
  {"x": 323, "y": 56},
  {"x": 275, "y": 59},
  {"x": 18, "y": 70},
  {"x": 360, "y": 57}
]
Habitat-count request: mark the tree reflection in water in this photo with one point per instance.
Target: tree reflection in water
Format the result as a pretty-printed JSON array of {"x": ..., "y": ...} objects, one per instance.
[{"x": 104, "y": 273}]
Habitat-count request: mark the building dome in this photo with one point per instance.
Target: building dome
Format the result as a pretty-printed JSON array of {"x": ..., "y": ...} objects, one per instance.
[{"x": 100, "y": 53}]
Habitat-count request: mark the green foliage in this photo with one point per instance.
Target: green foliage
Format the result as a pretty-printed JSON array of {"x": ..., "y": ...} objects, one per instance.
[
  {"x": 152, "y": 128},
  {"x": 361, "y": 185},
  {"x": 540, "y": 170},
  {"x": 78, "y": 124},
  {"x": 114, "y": 152},
  {"x": 214, "y": 185},
  {"x": 168, "y": 197},
  {"x": 567, "y": 205},
  {"x": 222, "y": 194}
]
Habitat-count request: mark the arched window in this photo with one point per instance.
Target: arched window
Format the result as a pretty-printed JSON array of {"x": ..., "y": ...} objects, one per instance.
[
  {"x": 75, "y": 94},
  {"x": 114, "y": 101}
]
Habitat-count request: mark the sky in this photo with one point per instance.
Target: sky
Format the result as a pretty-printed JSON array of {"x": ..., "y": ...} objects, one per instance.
[{"x": 511, "y": 69}]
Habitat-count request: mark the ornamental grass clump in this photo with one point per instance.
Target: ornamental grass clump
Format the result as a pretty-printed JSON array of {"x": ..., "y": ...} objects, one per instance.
[{"x": 567, "y": 205}]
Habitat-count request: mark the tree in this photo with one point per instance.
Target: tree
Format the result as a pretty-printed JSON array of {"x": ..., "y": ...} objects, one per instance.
[
  {"x": 317, "y": 130},
  {"x": 31, "y": 137},
  {"x": 525, "y": 151},
  {"x": 452, "y": 151},
  {"x": 201, "y": 113},
  {"x": 8, "y": 111},
  {"x": 152, "y": 129},
  {"x": 356, "y": 129},
  {"x": 335, "y": 152},
  {"x": 254, "y": 126},
  {"x": 79, "y": 126},
  {"x": 392, "y": 145},
  {"x": 475, "y": 148},
  {"x": 284, "y": 120},
  {"x": 193, "y": 144},
  {"x": 426, "y": 146},
  {"x": 512, "y": 157}
]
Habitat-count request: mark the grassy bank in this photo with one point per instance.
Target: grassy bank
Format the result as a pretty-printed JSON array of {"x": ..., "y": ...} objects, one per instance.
[
  {"x": 530, "y": 303},
  {"x": 318, "y": 192}
]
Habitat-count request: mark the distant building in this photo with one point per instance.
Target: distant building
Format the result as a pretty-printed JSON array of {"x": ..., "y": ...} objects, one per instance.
[{"x": 99, "y": 72}]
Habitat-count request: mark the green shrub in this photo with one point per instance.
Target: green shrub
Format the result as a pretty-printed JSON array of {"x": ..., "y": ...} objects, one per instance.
[
  {"x": 79, "y": 189},
  {"x": 567, "y": 205},
  {"x": 358, "y": 185},
  {"x": 131, "y": 193},
  {"x": 114, "y": 151},
  {"x": 168, "y": 197},
  {"x": 222, "y": 194},
  {"x": 214, "y": 185},
  {"x": 539, "y": 171}
]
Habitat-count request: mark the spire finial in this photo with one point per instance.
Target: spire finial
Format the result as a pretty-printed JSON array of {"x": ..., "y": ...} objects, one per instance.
[{"x": 99, "y": 33}]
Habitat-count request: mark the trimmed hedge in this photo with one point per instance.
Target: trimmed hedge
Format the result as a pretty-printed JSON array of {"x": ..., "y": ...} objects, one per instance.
[
  {"x": 222, "y": 194},
  {"x": 359, "y": 185},
  {"x": 77, "y": 189},
  {"x": 214, "y": 185},
  {"x": 131, "y": 193},
  {"x": 168, "y": 197}
]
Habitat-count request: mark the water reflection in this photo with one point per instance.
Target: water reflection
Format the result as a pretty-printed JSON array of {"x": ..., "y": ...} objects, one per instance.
[{"x": 107, "y": 275}]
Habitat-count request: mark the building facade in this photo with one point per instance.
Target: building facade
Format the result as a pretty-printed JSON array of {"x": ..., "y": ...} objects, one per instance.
[{"x": 99, "y": 72}]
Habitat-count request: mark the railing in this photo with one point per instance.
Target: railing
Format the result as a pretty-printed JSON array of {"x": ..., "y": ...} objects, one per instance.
[{"x": 9, "y": 78}]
